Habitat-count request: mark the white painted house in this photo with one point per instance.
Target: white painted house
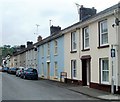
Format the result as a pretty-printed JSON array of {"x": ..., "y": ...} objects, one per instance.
[{"x": 87, "y": 50}]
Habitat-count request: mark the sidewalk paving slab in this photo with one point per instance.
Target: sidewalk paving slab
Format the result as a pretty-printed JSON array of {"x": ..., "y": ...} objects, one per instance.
[{"x": 95, "y": 93}]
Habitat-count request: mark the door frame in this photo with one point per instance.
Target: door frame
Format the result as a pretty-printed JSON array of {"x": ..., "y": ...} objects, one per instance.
[
  {"x": 48, "y": 69},
  {"x": 86, "y": 73}
]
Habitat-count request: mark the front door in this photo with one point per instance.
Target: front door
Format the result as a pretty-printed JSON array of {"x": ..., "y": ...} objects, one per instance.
[
  {"x": 85, "y": 72},
  {"x": 48, "y": 70}
]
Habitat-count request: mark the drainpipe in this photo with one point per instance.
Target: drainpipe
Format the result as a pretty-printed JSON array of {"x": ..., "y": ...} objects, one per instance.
[{"x": 116, "y": 58}]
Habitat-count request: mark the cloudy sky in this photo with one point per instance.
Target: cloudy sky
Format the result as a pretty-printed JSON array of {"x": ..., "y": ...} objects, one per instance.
[{"x": 18, "y": 18}]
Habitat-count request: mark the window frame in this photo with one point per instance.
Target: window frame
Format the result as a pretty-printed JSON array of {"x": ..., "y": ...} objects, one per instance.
[
  {"x": 73, "y": 69},
  {"x": 56, "y": 69},
  {"x": 55, "y": 47},
  {"x": 101, "y": 33},
  {"x": 84, "y": 38},
  {"x": 42, "y": 69},
  {"x": 101, "y": 71},
  {"x": 73, "y": 41},
  {"x": 42, "y": 51},
  {"x": 48, "y": 49}
]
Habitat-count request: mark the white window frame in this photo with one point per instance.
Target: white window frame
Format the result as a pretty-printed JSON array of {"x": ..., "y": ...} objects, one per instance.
[
  {"x": 42, "y": 69},
  {"x": 42, "y": 51},
  {"x": 101, "y": 62},
  {"x": 48, "y": 49},
  {"x": 86, "y": 29},
  {"x": 55, "y": 47},
  {"x": 74, "y": 69},
  {"x": 73, "y": 41},
  {"x": 102, "y": 32},
  {"x": 55, "y": 69}
]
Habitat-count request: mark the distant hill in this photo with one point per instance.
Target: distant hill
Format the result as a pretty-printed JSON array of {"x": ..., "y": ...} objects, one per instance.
[{"x": 5, "y": 50}]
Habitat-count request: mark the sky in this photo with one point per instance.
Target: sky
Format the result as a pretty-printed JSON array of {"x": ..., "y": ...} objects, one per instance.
[{"x": 18, "y": 18}]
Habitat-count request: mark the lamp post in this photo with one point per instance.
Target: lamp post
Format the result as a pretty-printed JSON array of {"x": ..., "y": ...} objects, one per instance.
[{"x": 116, "y": 45}]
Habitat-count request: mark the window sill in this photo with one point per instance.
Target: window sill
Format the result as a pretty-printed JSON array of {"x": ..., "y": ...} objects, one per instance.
[
  {"x": 73, "y": 51},
  {"x": 105, "y": 83},
  {"x": 104, "y": 46},
  {"x": 86, "y": 49},
  {"x": 74, "y": 78},
  {"x": 48, "y": 56},
  {"x": 55, "y": 54},
  {"x": 55, "y": 77}
]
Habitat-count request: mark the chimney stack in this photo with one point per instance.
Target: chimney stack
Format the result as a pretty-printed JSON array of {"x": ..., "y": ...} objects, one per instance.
[
  {"x": 39, "y": 38},
  {"x": 22, "y": 47},
  {"x": 85, "y": 13},
  {"x": 54, "y": 30},
  {"x": 29, "y": 44}
]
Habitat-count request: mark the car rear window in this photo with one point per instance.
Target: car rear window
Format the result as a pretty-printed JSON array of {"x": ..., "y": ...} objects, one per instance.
[{"x": 32, "y": 70}]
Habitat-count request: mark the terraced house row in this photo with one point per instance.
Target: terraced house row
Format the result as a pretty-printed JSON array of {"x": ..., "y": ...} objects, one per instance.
[{"x": 87, "y": 52}]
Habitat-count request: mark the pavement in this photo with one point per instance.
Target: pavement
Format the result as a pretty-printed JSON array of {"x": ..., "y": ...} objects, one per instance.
[{"x": 98, "y": 94}]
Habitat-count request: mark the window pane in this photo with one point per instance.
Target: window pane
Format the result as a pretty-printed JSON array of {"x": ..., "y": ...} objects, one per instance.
[
  {"x": 86, "y": 42},
  {"x": 74, "y": 45},
  {"x": 73, "y": 42},
  {"x": 56, "y": 69},
  {"x": 105, "y": 76},
  {"x": 86, "y": 33},
  {"x": 105, "y": 70},
  {"x": 103, "y": 32},
  {"x": 86, "y": 37},
  {"x": 103, "y": 26},
  {"x": 105, "y": 65},
  {"x": 74, "y": 73},
  {"x": 73, "y": 68},
  {"x": 105, "y": 38}
]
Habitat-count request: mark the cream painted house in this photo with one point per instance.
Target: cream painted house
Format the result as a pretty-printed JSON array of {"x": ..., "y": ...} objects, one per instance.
[
  {"x": 31, "y": 58},
  {"x": 87, "y": 50}
]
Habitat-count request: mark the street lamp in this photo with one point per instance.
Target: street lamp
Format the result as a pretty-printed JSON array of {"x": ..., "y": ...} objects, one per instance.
[{"x": 116, "y": 25}]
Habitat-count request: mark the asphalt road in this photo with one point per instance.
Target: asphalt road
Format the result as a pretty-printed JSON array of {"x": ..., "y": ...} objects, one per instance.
[{"x": 15, "y": 88}]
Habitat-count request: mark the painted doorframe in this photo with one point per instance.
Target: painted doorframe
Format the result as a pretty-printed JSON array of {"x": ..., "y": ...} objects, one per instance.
[
  {"x": 48, "y": 70},
  {"x": 86, "y": 70}
]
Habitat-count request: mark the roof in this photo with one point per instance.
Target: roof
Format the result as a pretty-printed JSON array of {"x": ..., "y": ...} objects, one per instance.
[
  {"x": 94, "y": 16},
  {"x": 59, "y": 34}
]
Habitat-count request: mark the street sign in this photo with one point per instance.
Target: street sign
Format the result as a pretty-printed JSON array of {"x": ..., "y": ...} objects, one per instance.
[{"x": 112, "y": 52}]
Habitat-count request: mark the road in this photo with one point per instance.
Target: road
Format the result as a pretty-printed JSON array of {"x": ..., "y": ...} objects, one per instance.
[{"x": 15, "y": 88}]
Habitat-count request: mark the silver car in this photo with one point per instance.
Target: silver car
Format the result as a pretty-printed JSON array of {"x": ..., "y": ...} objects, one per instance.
[{"x": 18, "y": 72}]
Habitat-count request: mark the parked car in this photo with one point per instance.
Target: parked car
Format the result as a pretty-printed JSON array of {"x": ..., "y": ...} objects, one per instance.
[
  {"x": 19, "y": 71},
  {"x": 29, "y": 73},
  {"x": 5, "y": 69},
  {"x": 12, "y": 70}
]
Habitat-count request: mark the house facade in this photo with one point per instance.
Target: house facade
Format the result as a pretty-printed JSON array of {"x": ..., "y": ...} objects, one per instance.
[
  {"x": 51, "y": 57},
  {"x": 31, "y": 55},
  {"x": 87, "y": 51}
]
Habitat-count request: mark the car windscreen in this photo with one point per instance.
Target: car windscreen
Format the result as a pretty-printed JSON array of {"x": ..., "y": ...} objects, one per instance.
[{"x": 32, "y": 70}]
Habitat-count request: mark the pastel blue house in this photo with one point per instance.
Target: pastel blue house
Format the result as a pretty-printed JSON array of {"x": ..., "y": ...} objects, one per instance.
[{"x": 51, "y": 56}]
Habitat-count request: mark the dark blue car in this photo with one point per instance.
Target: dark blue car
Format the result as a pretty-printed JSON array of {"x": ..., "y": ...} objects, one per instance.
[
  {"x": 29, "y": 73},
  {"x": 5, "y": 69}
]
